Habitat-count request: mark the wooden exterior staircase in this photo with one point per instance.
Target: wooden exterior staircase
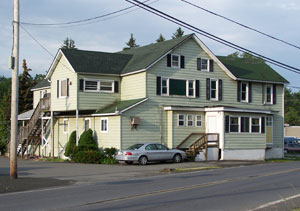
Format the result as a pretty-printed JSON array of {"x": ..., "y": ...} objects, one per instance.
[
  {"x": 201, "y": 144},
  {"x": 29, "y": 136}
]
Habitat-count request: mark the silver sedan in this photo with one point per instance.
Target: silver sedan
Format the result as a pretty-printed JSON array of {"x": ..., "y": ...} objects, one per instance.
[{"x": 142, "y": 153}]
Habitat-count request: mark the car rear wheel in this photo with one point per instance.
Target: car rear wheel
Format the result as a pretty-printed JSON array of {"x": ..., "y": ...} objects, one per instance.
[
  {"x": 143, "y": 160},
  {"x": 177, "y": 158}
]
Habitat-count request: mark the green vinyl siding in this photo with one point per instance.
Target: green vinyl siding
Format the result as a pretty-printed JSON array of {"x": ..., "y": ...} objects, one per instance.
[
  {"x": 64, "y": 71},
  {"x": 133, "y": 86},
  {"x": 96, "y": 100}
]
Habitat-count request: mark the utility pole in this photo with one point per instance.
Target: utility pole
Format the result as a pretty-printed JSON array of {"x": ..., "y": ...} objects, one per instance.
[{"x": 14, "y": 94}]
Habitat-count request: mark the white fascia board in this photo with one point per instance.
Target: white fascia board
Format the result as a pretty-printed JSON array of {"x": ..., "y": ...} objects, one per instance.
[
  {"x": 106, "y": 114},
  {"x": 258, "y": 81},
  {"x": 177, "y": 108},
  {"x": 241, "y": 110},
  {"x": 134, "y": 72},
  {"x": 136, "y": 104},
  {"x": 210, "y": 53},
  {"x": 41, "y": 88},
  {"x": 100, "y": 74}
]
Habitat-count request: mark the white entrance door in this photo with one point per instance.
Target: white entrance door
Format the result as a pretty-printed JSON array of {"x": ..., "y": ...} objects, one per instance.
[{"x": 211, "y": 127}]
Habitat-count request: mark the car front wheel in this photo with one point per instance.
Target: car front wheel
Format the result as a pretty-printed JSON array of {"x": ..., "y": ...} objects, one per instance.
[
  {"x": 177, "y": 158},
  {"x": 143, "y": 160}
]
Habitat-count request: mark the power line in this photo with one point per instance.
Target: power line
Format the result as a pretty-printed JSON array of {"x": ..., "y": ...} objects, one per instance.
[
  {"x": 83, "y": 21},
  {"x": 243, "y": 25},
  {"x": 295, "y": 87},
  {"x": 211, "y": 36}
]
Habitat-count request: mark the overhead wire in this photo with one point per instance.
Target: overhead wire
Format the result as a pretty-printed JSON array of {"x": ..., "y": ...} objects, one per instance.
[
  {"x": 211, "y": 36},
  {"x": 243, "y": 25}
]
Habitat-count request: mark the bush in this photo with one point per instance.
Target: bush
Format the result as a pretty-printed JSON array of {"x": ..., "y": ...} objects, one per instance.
[
  {"x": 108, "y": 160},
  {"x": 71, "y": 145},
  {"x": 110, "y": 152},
  {"x": 87, "y": 157},
  {"x": 86, "y": 141},
  {"x": 2, "y": 147}
]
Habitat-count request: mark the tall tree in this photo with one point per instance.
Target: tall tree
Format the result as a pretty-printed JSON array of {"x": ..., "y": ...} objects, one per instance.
[
  {"x": 5, "y": 117},
  {"x": 26, "y": 82},
  {"x": 160, "y": 38},
  {"x": 69, "y": 44},
  {"x": 39, "y": 77},
  {"x": 292, "y": 107},
  {"x": 179, "y": 33},
  {"x": 131, "y": 43}
]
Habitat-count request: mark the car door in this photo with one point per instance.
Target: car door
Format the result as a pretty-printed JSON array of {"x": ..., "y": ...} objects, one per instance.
[
  {"x": 164, "y": 152},
  {"x": 152, "y": 152}
]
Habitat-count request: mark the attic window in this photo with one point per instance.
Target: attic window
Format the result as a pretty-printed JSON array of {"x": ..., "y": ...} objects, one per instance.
[{"x": 175, "y": 60}]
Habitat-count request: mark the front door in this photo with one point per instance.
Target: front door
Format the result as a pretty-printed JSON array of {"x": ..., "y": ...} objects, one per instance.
[
  {"x": 211, "y": 127},
  {"x": 269, "y": 130}
]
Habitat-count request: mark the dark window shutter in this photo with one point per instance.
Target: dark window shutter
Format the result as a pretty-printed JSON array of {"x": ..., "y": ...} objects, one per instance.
[
  {"x": 208, "y": 89},
  {"x": 274, "y": 93},
  {"x": 263, "y": 125},
  {"x": 169, "y": 60},
  {"x": 211, "y": 65},
  {"x": 239, "y": 86},
  {"x": 181, "y": 61},
  {"x": 67, "y": 87},
  {"x": 198, "y": 63},
  {"x": 116, "y": 86},
  {"x": 263, "y": 89},
  {"x": 250, "y": 92},
  {"x": 197, "y": 88},
  {"x": 220, "y": 89},
  {"x": 81, "y": 81},
  {"x": 158, "y": 85},
  {"x": 57, "y": 88},
  {"x": 227, "y": 124}
]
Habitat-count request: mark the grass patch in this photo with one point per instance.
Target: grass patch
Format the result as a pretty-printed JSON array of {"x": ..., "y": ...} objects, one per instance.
[
  {"x": 285, "y": 159},
  {"x": 53, "y": 160},
  {"x": 176, "y": 170}
]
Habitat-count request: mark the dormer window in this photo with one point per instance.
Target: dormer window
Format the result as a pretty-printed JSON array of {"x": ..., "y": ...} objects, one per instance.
[{"x": 175, "y": 60}]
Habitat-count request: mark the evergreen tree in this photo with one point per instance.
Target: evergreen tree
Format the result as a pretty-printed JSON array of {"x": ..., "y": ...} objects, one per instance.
[
  {"x": 68, "y": 44},
  {"x": 179, "y": 33},
  {"x": 5, "y": 117},
  {"x": 160, "y": 38},
  {"x": 38, "y": 78},
  {"x": 26, "y": 82},
  {"x": 131, "y": 43},
  {"x": 292, "y": 107}
]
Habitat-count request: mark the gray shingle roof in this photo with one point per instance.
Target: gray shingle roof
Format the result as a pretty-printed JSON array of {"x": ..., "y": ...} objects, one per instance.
[{"x": 42, "y": 84}]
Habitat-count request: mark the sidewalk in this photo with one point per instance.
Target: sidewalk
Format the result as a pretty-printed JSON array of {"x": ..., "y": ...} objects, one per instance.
[{"x": 41, "y": 174}]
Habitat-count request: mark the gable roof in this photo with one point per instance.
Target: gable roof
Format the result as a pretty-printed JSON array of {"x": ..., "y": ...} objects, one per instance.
[
  {"x": 42, "y": 84},
  {"x": 251, "y": 69}
]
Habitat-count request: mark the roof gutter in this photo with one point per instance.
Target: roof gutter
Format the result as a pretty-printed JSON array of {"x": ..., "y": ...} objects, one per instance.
[{"x": 261, "y": 81}]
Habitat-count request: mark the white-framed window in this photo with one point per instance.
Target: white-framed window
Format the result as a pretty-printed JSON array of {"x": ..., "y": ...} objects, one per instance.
[
  {"x": 91, "y": 85},
  {"x": 190, "y": 88},
  {"x": 63, "y": 88},
  {"x": 43, "y": 93},
  {"x": 180, "y": 120},
  {"x": 104, "y": 125},
  {"x": 165, "y": 86},
  {"x": 269, "y": 94},
  {"x": 245, "y": 125},
  {"x": 175, "y": 60},
  {"x": 66, "y": 125},
  {"x": 244, "y": 92},
  {"x": 234, "y": 124},
  {"x": 213, "y": 89},
  {"x": 269, "y": 121},
  {"x": 198, "y": 120},
  {"x": 87, "y": 124},
  {"x": 107, "y": 86},
  {"x": 190, "y": 120},
  {"x": 255, "y": 125},
  {"x": 204, "y": 64}
]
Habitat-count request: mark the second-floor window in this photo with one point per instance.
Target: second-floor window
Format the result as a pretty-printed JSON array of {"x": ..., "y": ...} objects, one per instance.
[
  {"x": 214, "y": 89},
  {"x": 269, "y": 94},
  {"x": 63, "y": 88},
  {"x": 93, "y": 85},
  {"x": 106, "y": 86},
  {"x": 244, "y": 92},
  {"x": 191, "y": 88},
  {"x": 164, "y": 86},
  {"x": 175, "y": 60}
]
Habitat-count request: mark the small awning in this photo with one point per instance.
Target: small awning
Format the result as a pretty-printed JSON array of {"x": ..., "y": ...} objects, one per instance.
[{"x": 26, "y": 115}]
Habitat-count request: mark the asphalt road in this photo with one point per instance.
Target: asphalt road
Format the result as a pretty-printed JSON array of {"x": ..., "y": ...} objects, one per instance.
[{"x": 237, "y": 188}]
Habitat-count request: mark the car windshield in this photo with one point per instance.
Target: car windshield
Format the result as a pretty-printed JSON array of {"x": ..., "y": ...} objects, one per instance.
[{"x": 135, "y": 147}]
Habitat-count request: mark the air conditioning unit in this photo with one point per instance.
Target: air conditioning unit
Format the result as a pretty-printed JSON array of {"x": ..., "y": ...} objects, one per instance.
[{"x": 135, "y": 121}]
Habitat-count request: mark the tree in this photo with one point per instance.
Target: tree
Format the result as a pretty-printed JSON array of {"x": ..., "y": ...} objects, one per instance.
[
  {"x": 247, "y": 56},
  {"x": 131, "y": 43},
  {"x": 68, "y": 44},
  {"x": 160, "y": 38},
  {"x": 26, "y": 82},
  {"x": 5, "y": 117},
  {"x": 179, "y": 33},
  {"x": 39, "y": 77},
  {"x": 292, "y": 107}
]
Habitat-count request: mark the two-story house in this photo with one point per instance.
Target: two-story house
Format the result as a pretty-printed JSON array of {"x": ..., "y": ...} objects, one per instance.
[{"x": 173, "y": 92}]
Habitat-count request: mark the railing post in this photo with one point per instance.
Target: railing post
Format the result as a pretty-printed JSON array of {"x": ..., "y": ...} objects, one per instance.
[{"x": 206, "y": 147}]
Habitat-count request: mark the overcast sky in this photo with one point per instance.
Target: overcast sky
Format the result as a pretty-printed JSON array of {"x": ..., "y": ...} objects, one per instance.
[{"x": 279, "y": 18}]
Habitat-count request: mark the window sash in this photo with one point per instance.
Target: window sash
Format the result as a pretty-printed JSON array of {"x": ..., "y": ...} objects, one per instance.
[
  {"x": 164, "y": 86},
  {"x": 198, "y": 120},
  {"x": 255, "y": 125},
  {"x": 87, "y": 124},
  {"x": 63, "y": 88},
  {"x": 269, "y": 121},
  {"x": 180, "y": 120},
  {"x": 175, "y": 60},
  {"x": 244, "y": 92},
  {"x": 213, "y": 89},
  {"x": 234, "y": 124},
  {"x": 204, "y": 64},
  {"x": 104, "y": 125},
  {"x": 245, "y": 124},
  {"x": 190, "y": 88},
  {"x": 91, "y": 85},
  {"x": 269, "y": 93},
  {"x": 190, "y": 120},
  {"x": 106, "y": 86}
]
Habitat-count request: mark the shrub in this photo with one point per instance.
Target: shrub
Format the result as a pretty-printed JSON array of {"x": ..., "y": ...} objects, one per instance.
[
  {"x": 88, "y": 157},
  {"x": 86, "y": 141},
  {"x": 71, "y": 145},
  {"x": 108, "y": 160},
  {"x": 110, "y": 152},
  {"x": 2, "y": 147}
]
